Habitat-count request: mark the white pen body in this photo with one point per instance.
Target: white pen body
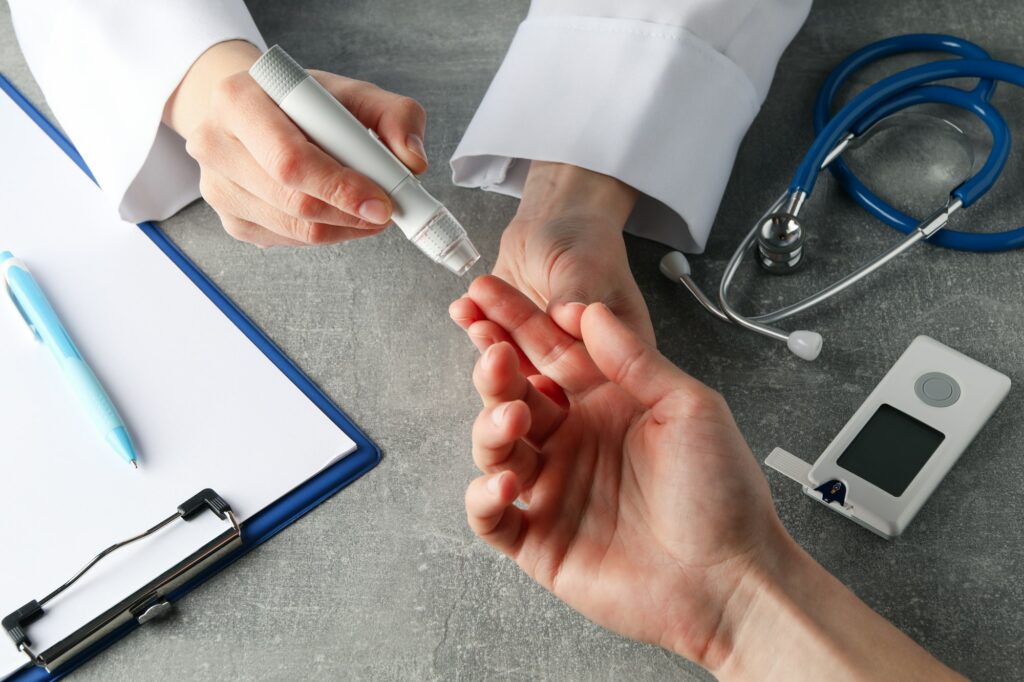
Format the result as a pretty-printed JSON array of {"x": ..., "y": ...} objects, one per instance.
[{"x": 422, "y": 218}]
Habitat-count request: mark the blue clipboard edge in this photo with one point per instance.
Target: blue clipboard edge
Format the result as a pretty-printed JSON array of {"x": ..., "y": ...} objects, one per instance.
[{"x": 289, "y": 508}]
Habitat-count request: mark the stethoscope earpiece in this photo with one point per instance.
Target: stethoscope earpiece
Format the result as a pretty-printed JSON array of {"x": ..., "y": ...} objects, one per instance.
[
  {"x": 804, "y": 344},
  {"x": 674, "y": 266}
]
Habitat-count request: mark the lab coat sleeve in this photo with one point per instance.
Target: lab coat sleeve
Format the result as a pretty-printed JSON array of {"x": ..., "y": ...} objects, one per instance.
[
  {"x": 657, "y": 93},
  {"x": 107, "y": 68}
]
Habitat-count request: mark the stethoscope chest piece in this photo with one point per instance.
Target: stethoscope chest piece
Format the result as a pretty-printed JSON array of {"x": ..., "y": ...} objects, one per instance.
[
  {"x": 778, "y": 237},
  {"x": 780, "y": 244}
]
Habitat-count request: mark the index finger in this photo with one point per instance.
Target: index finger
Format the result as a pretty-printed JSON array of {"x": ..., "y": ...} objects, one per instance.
[
  {"x": 285, "y": 153},
  {"x": 556, "y": 354}
]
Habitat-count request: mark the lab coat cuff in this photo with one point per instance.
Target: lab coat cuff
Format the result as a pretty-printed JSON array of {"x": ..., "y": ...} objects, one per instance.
[
  {"x": 650, "y": 104},
  {"x": 107, "y": 74},
  {"x": 168, "y": 178}
]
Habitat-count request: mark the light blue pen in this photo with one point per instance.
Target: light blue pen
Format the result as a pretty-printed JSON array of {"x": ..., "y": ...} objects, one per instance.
[{"x": 30, "y": 301}]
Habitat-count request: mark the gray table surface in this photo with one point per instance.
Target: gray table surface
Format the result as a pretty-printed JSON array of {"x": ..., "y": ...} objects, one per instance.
[{"x": 385, "y": 580}]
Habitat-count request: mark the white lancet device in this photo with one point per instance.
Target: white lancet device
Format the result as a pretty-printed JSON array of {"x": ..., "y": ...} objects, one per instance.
[
  {"x": 422, "y": 218},
  {"x": 903, "y": 440}
]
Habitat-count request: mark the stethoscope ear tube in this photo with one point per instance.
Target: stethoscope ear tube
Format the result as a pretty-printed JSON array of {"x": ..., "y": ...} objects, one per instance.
[
  {"x": 675, "y": 267},
  {"x": 778, "y": 233},
  {"x": 906, "y": 89}
]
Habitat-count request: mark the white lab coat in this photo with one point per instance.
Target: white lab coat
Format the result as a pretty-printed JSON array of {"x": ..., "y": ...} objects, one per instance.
[
  {"x": 108, "y": 67},
  {"x": 657, "y": 93}
]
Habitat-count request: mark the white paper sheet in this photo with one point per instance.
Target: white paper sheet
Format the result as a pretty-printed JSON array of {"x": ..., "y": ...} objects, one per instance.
[{"x": 205, "y": 407}]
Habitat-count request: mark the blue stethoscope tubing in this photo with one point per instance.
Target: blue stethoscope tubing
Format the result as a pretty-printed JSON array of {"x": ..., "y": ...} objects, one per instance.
[
  {"x": 778, "y": 235},
  {"x": 905, "y": 89}
]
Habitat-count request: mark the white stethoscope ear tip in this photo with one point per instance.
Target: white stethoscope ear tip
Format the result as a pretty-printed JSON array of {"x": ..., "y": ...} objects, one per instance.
[
  {"x": 674, "y": 266},
  {"x": 804, "y": 344}
]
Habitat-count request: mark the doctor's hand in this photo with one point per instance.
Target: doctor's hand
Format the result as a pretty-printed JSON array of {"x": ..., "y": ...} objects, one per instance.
[
  {"x": 565, "y": 243},
  {"x": 645, "y": 509},
  {"x": 268, "y": 183}
]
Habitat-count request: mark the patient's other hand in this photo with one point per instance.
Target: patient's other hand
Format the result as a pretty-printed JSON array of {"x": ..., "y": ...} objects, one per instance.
[{"x": 565, "y": 244}]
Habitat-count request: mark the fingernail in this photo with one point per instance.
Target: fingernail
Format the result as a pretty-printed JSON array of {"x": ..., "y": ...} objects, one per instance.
[
  {"x": 494, "y": 484},
  {"x": 414, "y": 143},
  {"x": 375, "y": 211},
  {"x": 577, "y": 307},
  {"x": 499, "y": 414}
]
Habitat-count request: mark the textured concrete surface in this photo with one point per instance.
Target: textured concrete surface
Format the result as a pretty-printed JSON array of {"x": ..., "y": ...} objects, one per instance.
[{"x": 385, "y": 581}]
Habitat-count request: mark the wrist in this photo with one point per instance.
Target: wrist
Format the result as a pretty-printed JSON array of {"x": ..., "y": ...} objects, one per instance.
[
  {"x": 189, "y": 104},
  {"x": 771, "y": 615},
  {"x": 791, "y": 619},
  {"x": 556, "y": 190}
]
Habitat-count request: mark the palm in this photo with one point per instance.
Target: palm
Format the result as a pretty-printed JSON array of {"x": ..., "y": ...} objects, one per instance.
[
  {"x": 627, "y": 510},
  {"x": 640, "y": 489}
]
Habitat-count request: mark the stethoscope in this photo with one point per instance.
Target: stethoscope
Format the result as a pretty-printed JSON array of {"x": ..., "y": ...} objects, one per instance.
[{"x": 779, "y": 235}]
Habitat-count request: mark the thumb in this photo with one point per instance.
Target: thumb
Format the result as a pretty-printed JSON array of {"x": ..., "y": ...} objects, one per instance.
[
  {"x": 568, "y": 316},
  {"x": 571, "y": 294},
  {"x": 629, "y": 361},
  {"x": 567, "y": 303}
]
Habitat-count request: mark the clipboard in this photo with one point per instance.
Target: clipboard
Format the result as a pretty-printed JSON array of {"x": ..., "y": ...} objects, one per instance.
[{"x": 238, "y": 539}]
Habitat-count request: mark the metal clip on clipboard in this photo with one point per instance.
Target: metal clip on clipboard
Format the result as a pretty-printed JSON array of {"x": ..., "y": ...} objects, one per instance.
[{"x": 148, "y": 603}]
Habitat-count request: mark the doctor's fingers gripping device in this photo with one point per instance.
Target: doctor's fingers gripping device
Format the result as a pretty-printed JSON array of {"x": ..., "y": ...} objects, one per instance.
[
  {"x": 779, "y": 235},
  {"x": 423, "y": 219}
]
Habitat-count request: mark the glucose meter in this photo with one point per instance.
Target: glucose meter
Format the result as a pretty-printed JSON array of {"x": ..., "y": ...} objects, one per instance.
[{"x": 908, "y": 434}]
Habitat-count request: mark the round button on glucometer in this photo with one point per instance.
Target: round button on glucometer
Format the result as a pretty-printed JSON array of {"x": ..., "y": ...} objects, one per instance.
[{"x": 937, "y": 389}]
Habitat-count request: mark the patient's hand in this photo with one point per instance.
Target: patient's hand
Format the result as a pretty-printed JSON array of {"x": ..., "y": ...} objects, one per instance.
[
  {"x": 565, "y": 243},
  {"x": 646, "y": 508}
]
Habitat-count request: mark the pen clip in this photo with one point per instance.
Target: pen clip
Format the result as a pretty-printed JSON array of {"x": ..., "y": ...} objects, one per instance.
[{"x": 4, "y": 269}]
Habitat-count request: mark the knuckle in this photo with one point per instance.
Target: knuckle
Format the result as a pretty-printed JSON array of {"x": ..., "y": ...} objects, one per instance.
[
  {"x": 286, "y": 164},
  {"x": 230, "y": 89},
  {"x": 200, "y": 143},
  {"x": 317, "y": 233},
  {"x": 411, "y": 108},
  {"x": 307, "y": 231},
  {"x": 236, "y": 229},
  {"x": 345, "y": 194},
  {"x": 304, "y": 206},
  {"x": 210, "y": 190},
  {"x": 701, "y": 404},
  {"x": 296, "y": 228}
]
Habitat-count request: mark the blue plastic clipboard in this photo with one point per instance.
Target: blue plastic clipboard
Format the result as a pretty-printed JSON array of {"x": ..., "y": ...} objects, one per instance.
[{"x": 286, "y": 510}]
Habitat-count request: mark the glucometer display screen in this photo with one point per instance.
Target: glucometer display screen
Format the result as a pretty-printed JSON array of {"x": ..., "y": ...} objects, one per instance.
[{"x": 890, "y": 450}]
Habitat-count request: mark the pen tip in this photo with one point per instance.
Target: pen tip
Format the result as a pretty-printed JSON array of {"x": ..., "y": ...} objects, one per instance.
[{"x": 135, "y": 464}]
